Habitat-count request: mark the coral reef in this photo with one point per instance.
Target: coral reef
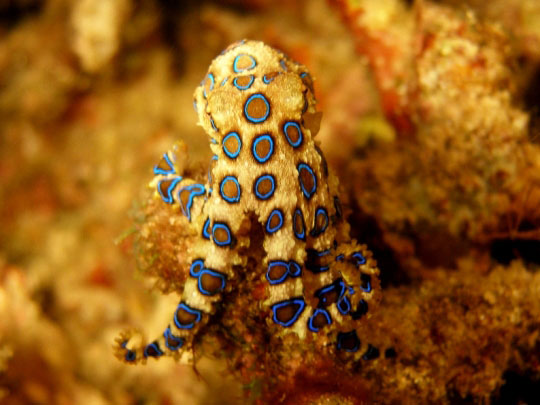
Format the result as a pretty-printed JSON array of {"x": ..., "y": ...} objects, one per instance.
[{"x": 430, "y": 123}]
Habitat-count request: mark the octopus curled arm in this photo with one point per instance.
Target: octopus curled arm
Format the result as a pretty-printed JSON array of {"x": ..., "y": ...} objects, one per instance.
[{"x": 259, "y": 110}]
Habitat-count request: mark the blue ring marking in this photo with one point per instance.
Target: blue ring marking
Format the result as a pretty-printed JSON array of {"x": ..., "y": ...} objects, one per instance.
[
  {"x": 213, "y": 124},
  {"x": 293, "y": 301},
  {"x": 307, "y": 193},
  {"x": 269, "y": 193},
  {"x": 238, "y": 189},
  {"x": 168, "y": 335},
  {"x": 206, "y": 229},
  {"x": 157, "y": 170},
  {"x": 195, "y": 106},
  {"x": 224, "y": 81},
  {"x": 360, "y": 259},
  {"x": 360, "y": 310},
  {"x": 130, "y": 355},
  {"x": 345, "y": 335},
  {"x": 220, "y": 225},
  {"x": 155, "y": 346},
  {"x": 262, "y": 159},
  {"x": 340, "y": 258},
  {"x": 212, "y": 140},
  {"x": 195, "y": 191},
  {"x": 283, "y": 65},
  {"x": 318, "y": 231},
  {"x": 366, "y": 280},
  {"x": 215, "y": 157},
  {"x": 294, "y": 269},
  {"x": 192, "y": 311},
  {"x": 303, "y": 74},
  {"x": 245, "y": 87},
  {"x": 212, "y": 273},
  {"x": 253, "y": 63},
  {"x": 312, "y": 318},
  {"x": 232, "y": 154},
  {"x": 300, "y": 134},
  {"x": 351, "y": 290},
  {"x": 169, "y": 198},
  {"x": 344, "y": 305},
  {"x": 211, "y": 77},
  {"x": 312, "y": 263},
  {"x": 277, "y": 212},
  {"x": 338, "y": 285},
  {"x": 302, "y": 235},
  {"x": 196, "y": 266},
  {"x": 249, "y": 100},
  {"x": 267, "y": 80},
  {"x": 283, "y": 277}
]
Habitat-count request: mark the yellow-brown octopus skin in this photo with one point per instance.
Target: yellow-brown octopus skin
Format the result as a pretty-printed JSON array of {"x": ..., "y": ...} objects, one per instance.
[{"x": 258, "y": 108}]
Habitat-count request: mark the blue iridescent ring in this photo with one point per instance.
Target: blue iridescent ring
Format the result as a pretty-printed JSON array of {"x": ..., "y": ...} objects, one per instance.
[
  {"x": 213, "y": 274},
  {"x": 170, "y": 170},
  {"x": 269, "y": 193},
  {"x": 359, "y": 258},
  {"x": 230, "y": 199},
  {"x": 177, "y": 342},
  {"x": 299, "y": 216},
  {"x": 269, "y": 152},
  {"x": 152, "y": 350},
  {"x": 366, "y": 283},
  {"x": 168, "y": 198},
  {"x": 291, "y": 320},
  {"x": 276, "y": 213},
  {"x": 211, "y": 77},
  {"x": 294, "y": 269},
  {"x": 206, "y": 229},
  {"x": 251, "y": 99},
  {"x": 344, "y": 305},
  {"x": 191, "y": 311},
  {"x": 282, "y": 278},
  {"x": 295, "y": 125},
  {"x": 233, "y": 154},
  {"x": 245, "y": 86},
  {"x": 316, "y": 231},
  {"x": 195, "y": 190},
  {"x": 217, "y": 226},
  {"x": 196, "y": 266},
  {"x": 235, "y": 63},
  {"x": 318, "y": 311},
  {"x": 307, "y": 193}
]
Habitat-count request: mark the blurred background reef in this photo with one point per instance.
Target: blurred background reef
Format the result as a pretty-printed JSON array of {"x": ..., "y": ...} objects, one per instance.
[{"x": 431, "y": 118}]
